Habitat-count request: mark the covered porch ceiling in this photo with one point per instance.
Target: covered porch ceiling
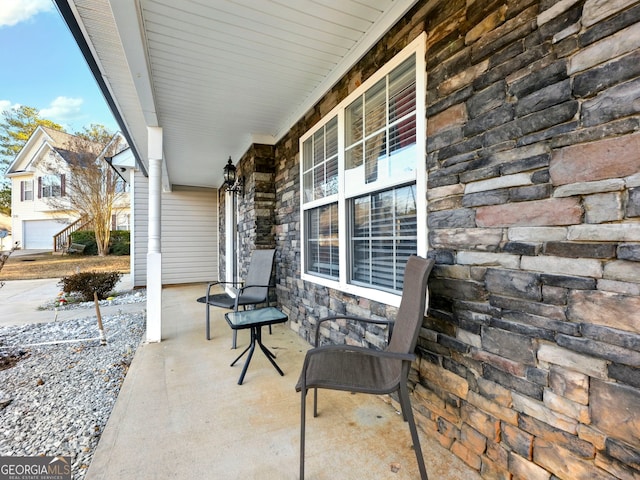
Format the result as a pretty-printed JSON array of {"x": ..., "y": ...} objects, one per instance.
[{"x": 219, "y": 75}]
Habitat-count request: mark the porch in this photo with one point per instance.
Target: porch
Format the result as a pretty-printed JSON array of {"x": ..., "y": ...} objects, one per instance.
[{"x": 181, "y": 414}]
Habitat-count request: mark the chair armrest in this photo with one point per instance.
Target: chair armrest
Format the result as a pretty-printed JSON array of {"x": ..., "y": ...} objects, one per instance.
[
  {"x": 254, "y": 285},
  {"x": 390, "y": 323},
  {"x": 211, "y": 284}
]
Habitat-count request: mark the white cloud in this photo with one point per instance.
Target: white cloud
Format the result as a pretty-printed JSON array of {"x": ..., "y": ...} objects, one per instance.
[
  {"x": 7, "y": 105},
  {"x": 63, "y": 109},
  {"x": 13, "y": 12}
]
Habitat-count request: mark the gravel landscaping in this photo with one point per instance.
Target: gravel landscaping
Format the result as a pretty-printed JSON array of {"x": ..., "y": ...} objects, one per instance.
[{"x": 58, "y": 385}]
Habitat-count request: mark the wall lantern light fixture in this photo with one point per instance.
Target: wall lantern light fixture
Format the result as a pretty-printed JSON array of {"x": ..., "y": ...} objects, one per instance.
[{"x": 231, "y": 182}]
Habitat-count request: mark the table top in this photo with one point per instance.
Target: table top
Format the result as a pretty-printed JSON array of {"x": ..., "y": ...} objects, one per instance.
[{"x": 255, "y": 318}]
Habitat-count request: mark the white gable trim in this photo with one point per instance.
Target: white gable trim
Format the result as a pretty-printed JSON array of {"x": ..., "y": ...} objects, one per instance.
[{"x": 35, "y": 137}]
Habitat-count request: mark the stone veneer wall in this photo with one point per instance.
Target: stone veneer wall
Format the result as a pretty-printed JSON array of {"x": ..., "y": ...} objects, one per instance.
[
  {"x": 529, "y": 358},
  {"x": 256, "y": 208}
]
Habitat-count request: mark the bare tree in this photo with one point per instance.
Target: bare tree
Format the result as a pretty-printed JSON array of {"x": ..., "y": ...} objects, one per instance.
[{"x": 91, "y": 185}]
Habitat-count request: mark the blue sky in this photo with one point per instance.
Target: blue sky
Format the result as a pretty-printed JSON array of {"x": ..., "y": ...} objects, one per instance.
[{"x": 42, "y": 67}]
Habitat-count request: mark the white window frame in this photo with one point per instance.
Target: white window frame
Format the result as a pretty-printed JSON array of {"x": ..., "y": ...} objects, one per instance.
[
  {"x": 29, "y": 184},
  {"x": 49, "y": 183},
  {"x": 418, "y": 48},
  {"x": 121, "y": 221},
  {"x": 231, "y": 250}
]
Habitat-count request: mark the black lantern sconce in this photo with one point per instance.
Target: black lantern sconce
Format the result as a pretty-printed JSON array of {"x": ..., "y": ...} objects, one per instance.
[{"x": 231, "y": 182}]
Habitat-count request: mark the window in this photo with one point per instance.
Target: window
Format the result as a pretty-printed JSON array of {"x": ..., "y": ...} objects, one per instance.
[
  {"x": 125, "y": 223},
  {"x": 384, "y": 226},
  {"x": 381, "y": 130},
  {"x": 320, "y": 174},
  {"x": 50, "y": 186},
  {"x": 320, "y": 189},
  {"x": 322, "y": 240},
  {"x": 120, "y": 222},
  {"x": 363, "y": 174},
  {"x": 26, "y": 190}
]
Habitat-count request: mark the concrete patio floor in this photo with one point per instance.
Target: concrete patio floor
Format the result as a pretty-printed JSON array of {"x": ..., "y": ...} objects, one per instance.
[{"x": 182, "y": 415}]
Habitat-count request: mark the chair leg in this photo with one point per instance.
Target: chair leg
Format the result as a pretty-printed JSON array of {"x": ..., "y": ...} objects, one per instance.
[
  {"x": 315, "y": 402},
  {"x": 303, "y": 396},
  {"x": 408, "y": 414},
  {"x": 234, "y": 341},
  {"x": 208, "y": 332}
]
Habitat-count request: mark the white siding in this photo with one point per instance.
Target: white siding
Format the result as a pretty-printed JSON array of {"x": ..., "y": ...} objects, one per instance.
[
  {"x": 189, "y": 234},
  {"x": 140, "y": 229}
]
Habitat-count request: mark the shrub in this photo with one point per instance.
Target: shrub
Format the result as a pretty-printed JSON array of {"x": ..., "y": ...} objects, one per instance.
[
  {"x": 86, "y": 283},
  {"x": 120, "y": 236},
  {"x": 121, "y": 248},
  {"x": 87, "y": 238},
  {"x": 120, "y": 242}
]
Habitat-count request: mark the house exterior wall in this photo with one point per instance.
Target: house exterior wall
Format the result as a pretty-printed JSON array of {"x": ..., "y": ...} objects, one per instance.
[
  {"x": 36, "y": 160},
  {"x": 37, "y": 208},
  {"x": 139, "y": 228},
  {"x": 189, "y": 234},
  {"x": 529, "y": 359}
]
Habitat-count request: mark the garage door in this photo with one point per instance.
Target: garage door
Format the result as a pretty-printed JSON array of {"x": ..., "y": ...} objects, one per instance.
[{"x": 39, "y": 233}]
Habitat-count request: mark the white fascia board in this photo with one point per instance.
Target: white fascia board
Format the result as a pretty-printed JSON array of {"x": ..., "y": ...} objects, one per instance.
[
  {"x": 129, "y": 23},
  {"x": 116, "y": 137},
  {"x": 128, "y": 19},
  {"x": 38, "y": 132},
  {"x": 40, "y": 154}
]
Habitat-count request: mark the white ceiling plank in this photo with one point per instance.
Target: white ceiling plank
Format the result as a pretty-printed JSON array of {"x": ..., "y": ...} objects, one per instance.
[
  {"x": 310, "y": 15},
  {"x": 249, "y": 43},
  {"x": 367, "y": 9},
  {"x": 251, "y": 20}
]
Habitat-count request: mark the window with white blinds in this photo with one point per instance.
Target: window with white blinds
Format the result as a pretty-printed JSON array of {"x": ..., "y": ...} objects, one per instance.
[
  {"x": 320, "y": 195},
  {"x": 363, "y": 185},
  {"x": 320, "y": 162},
  {"x": 380, "y": 130},
  {"x": 384, "y": 236},
  {"x": 322, "y": 240}
]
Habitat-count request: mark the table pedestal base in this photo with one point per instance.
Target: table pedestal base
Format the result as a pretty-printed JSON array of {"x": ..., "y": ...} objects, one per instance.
[{"x": 256, "y": 337}]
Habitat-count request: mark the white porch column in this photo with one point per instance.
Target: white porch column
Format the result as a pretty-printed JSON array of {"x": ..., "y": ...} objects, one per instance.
[{"x": 154, "y": 251}]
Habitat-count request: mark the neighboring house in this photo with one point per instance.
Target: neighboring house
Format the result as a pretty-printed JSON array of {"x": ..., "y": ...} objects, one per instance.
[
  {"x": 500, "y": 138},
  {"x": 39, "y": 199}
]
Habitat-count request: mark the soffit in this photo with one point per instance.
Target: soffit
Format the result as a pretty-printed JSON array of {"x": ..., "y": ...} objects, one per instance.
[{"x": 220, "y": 75}]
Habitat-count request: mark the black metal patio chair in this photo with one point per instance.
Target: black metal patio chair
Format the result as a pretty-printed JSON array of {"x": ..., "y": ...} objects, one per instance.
[
  {"x": 359, "y": 369},
  {"x": 253, "y": 291}
]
